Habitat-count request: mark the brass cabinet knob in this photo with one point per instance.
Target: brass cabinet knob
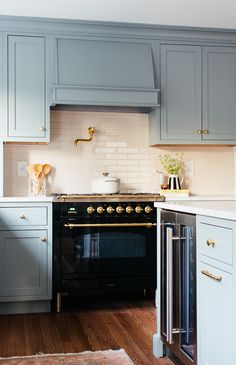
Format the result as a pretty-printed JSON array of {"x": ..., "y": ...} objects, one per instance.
[
  {"x": 210, "y": 243},
  {"x": 119, "y": 209},
  {"x": 138, "y": 209},
  {"x": 44, "y": 239},
  {"x": 100, "y": 209},
  {"x": 110, "y": 209},
  {"x": 22, "y": 216},
  {"x": 199, "y": 131},
  {"x": 90, "y": 210},
  {"x": 205, "y": 131},
  {"x": 129, "y": 209},
  {"x": 148, "y": 209}
]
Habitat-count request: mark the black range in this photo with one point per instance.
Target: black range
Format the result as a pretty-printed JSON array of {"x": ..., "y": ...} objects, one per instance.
[{"x": 103, "y": 243}]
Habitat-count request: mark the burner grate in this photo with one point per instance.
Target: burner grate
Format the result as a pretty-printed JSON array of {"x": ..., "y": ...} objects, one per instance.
[{"x": 133, "y": 196}]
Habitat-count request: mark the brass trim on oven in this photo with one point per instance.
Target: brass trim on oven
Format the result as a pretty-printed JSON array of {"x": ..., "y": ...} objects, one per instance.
[{"x": 75, "y": 225}]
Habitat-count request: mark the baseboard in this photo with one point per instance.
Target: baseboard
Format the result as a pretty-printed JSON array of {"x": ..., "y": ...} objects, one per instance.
[{"x": 25, "y": 307}]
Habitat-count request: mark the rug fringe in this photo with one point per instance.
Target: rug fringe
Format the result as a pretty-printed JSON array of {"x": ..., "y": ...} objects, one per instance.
[{"x": 67, "y": 354}]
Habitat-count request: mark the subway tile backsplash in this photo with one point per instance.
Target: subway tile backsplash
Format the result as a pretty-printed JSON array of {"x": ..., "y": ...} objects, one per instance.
[{"x": 120, "y": 147}]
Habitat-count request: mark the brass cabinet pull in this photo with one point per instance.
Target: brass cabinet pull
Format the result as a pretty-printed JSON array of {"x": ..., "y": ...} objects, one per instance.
[
  {"x": 77, "y": 225},
  {"x": 22, "y": 216},
  {"x": 44, "y": 239},
  {"x": 211, "y": 243},
  {"x": 199, "y": 131},
  {"x": 205, "y": 131},
  {"x": 212, "y": 276}
]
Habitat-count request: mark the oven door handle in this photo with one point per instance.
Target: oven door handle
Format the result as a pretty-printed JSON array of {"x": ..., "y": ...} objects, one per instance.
[{"x": 77, "y": 225}]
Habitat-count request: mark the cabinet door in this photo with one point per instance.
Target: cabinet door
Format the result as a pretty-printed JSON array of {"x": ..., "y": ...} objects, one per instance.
[
  {"x": 219, "y": 93},
  {"x": 180, "y": 92},
  {"x": 23, "y": 265},
  {"x": 215, "y": 313},
  {"x": 27, "y": 107}
]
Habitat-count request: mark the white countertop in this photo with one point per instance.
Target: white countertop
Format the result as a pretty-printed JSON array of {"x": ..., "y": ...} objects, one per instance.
[
  {"x": 31, "y": 199},
  {"x": 202, "y": 197},
  {"x": 218, "y": 208},
  {"x": 25, "y": 199}
]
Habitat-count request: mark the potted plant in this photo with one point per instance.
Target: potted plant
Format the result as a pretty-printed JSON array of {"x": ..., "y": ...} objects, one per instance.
[{"x": 173, "y": 166}]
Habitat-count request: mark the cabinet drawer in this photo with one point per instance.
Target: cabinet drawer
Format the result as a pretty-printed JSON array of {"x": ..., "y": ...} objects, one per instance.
[
  {"x": 216, "y": 241},
  {"x": 23, "y": 216}
]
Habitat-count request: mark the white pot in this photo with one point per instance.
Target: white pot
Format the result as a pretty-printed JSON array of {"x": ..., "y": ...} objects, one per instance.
[{"x": 105, "y": 184}]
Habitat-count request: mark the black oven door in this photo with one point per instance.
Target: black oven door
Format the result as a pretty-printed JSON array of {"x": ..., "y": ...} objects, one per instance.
[{"x": 114, "y": 250}]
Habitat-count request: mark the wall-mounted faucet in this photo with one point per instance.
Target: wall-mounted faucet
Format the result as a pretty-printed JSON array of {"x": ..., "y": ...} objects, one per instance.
[{"x": 91, "y": 131}]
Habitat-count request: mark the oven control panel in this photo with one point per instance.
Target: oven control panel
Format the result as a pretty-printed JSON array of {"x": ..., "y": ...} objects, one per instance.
[{"x": 107, "y": 210}]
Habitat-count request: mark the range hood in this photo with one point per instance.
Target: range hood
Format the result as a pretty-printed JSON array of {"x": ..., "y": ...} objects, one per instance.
[{"x": 104, "y": 73}]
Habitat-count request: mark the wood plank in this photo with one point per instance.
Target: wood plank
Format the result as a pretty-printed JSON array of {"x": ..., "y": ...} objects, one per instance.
[{"x": 85, "y": 325}]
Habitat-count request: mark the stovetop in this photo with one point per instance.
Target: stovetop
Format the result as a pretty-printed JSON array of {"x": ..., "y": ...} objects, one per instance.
[{"x": 76, "y": 197}]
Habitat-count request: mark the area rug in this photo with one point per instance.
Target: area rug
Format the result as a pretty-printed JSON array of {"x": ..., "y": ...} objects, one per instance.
[{"x": 108, "y": 357}]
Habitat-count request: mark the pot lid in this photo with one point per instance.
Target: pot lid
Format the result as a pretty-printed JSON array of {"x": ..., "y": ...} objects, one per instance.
[{"x": 105, "y": 177}]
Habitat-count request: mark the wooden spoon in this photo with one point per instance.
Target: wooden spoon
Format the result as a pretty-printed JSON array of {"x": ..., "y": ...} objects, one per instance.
[
  {"x": 38, "y": 168},
  {"x": 31, "y": 171},
  {"x": 46, "y": 169}
]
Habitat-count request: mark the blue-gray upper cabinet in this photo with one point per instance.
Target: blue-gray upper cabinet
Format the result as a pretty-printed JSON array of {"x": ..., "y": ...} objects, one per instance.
[
  {"x": 26, "y": 84},
  {"x": 181, "y": 92},
  {"x": 198, "y": 96},
  {"x": 104, "y": 72},
  {"x": 219, "y": 93}
]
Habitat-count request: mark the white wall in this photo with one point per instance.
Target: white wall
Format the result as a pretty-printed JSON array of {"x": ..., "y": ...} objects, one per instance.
[
  {"x": 203, "y": 13},
  {"x": 120, "y": 146}
]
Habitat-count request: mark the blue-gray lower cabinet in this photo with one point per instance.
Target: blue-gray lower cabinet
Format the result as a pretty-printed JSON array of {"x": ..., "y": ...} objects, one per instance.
[
  {"x": 216, "y": 294},
  {"x": 27, "y": 89},
  {"x": 24, "y": 265},
  {"x": 25, "y": 258},
  {"x": 198, "y": 96}
]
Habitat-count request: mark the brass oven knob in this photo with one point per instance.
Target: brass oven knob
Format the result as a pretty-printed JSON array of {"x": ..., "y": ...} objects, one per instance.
[
  {"x": 129, "y": 209},
  {"x": 90, "y": 210},
  {"x": 110, "y": 209},
  {"x": 119, "y": 209},
  {"x": 138, "y": 209},
  {"x": 100, "y": 209},
  {"x": 148, "y": 209}
]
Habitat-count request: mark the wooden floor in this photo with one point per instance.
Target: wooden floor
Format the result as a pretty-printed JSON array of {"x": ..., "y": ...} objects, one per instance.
[{"x": 112, "y": 323}]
